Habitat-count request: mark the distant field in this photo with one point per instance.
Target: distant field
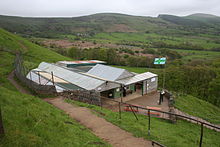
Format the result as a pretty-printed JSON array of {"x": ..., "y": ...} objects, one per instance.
[
  {"x": 192, "y": 54},
  {"x": 206, "y": 42}
]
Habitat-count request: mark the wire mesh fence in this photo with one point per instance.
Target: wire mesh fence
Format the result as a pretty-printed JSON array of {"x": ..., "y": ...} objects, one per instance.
[
  {"x": 20, "y": 72},
  {"x": 91, "y": 97}
]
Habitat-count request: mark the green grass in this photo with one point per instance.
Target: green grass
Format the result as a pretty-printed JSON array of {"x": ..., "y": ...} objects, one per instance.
[
  {"x": 181, "y": 134},
  {"x": 29, "y": 121},
  {"x": 202, "y": 55},
  {"x": 197, "y": 107}
]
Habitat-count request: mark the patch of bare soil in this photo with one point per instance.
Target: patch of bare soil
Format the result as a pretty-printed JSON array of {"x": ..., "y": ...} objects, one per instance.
[
  {"x": 99, "y": 126},
  {"x": 120, "y": 28},
  {"x": 86, "y": 44}
]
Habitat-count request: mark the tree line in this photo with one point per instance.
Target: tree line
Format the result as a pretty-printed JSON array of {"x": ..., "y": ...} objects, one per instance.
[{"x": 202, "y": 81}]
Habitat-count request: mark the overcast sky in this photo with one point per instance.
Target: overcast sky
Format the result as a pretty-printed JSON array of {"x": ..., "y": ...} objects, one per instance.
[{"x": 71, "y": 8}]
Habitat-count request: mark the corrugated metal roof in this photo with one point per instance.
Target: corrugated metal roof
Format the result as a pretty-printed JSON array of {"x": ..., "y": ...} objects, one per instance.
[
  {"x": 46, "y": 79},
  {"x": 85, "y": 82},
  {"x": 109, "y": 73},
  {"x": 82, "y": 62},
  {"x": 137, "y": 78}
]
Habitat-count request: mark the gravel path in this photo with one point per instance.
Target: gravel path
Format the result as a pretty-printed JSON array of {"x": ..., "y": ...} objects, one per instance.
[{"x": 99, "y": 126}]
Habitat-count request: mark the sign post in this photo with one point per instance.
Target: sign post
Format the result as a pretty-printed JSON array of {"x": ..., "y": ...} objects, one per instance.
[{"x": 161, "y": 61}]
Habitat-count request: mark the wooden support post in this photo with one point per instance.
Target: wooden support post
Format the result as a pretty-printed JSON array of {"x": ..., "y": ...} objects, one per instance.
[
  {"x": 2, "y": 132},
  {"x": 201, "y": 135},
  {"x": 119, "y": 109},
  {"x": 52, "y": 78},
  {"x": 30, "y": 76},
  {"x": 148, "y": 122},
  {"x": 101, "y": 103},
  {"x": 122, "y": 91},
  {"x": 133, "y": 112},
  {"x": 39, "y": 77}
]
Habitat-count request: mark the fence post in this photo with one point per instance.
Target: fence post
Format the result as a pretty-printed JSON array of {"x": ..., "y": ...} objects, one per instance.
[
  {"x": 119, "y": 107},
  {"x": 148, "y": 122},
  {"x": 201, "y": 135},
  {"x": 2, "y": 132}
]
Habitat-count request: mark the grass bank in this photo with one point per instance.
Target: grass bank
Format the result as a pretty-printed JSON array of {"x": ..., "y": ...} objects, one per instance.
[
  {"x": 181, "y": 134},
  {"x": 199, "y": 108}
]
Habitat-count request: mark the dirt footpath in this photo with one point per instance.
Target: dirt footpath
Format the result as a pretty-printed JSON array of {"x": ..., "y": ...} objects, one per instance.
[
  {"x": 18, "y": 87},
  {"x": 99, "y": 126}
]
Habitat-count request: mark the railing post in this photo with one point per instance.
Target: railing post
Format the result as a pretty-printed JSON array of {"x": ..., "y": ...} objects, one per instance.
[
  {"x": 201, "y": 135},
  {"x": 148, "y": 122},
  {"x": 119, "y": 107},
  {"x": 133, "y": 112}
]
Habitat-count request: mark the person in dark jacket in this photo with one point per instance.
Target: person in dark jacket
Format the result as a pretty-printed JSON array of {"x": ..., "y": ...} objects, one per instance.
[{"x": 161, "y": 96}]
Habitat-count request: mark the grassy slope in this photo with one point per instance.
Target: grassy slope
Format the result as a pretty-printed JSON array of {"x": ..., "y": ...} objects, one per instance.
[
  {"x": 28, "y": 121},
  {"x": 197, "y": 107},
  {"x": 92, "y": 23},
  {"x": 181, "y": 134}
]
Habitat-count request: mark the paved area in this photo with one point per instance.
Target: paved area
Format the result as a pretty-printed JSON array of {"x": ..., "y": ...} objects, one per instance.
[
  {"x": 150, "y": 100},
  {"x": 99, "y": 126}
]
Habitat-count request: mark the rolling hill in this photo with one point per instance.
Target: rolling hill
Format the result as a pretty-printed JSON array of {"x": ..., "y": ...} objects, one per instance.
[{"x": 110, "y": 22}]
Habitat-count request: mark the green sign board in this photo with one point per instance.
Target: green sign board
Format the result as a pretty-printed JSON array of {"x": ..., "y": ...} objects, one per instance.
[{"x": 160, "y": 60}]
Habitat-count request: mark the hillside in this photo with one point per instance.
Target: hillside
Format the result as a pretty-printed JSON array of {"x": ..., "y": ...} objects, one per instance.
[
  {"x": 90, "y": 24},
  {"x": 204, "y": 18},
  {"x": 29, "y": 121},
  {"x": 106, "y": 22}
]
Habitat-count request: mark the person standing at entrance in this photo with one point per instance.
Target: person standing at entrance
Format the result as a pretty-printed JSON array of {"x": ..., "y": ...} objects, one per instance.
[
  {"x": 162, "y": 93},
  {"x": 161, "y": 96}
]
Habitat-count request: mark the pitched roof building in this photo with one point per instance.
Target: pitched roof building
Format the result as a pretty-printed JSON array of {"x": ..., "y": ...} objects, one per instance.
[{"x": 102, "y": 78}]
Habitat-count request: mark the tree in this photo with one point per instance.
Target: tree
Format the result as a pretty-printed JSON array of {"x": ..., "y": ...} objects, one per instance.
[
  {"x": 112, "y": 56},
  {"x": 74, "y": 53}
]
